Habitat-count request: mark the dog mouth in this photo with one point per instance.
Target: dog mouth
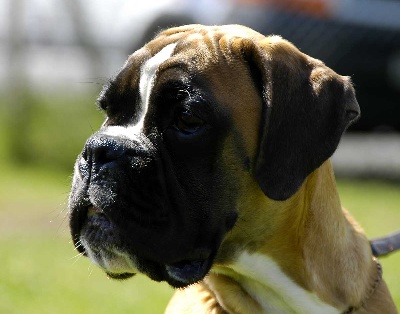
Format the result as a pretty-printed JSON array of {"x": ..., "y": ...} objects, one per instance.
[{"x": 99, "y": 239}]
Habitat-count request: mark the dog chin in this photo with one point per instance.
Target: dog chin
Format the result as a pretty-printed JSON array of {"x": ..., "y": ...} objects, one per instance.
[
  {"x": 178, "y": 275},
  {"x": 99, "y": 240}
]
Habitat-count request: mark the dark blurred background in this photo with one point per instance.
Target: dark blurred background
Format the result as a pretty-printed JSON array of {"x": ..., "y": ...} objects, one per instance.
[{"x": 55, "y": 56}]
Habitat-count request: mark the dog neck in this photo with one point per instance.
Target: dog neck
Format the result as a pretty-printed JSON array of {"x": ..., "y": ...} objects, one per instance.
[{"x": 307, "y": 255}]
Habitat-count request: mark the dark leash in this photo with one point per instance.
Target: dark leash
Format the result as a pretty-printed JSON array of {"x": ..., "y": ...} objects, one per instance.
[{"x": 385, "y": 245}]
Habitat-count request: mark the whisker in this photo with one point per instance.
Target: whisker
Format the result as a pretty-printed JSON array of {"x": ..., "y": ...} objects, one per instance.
[
  {"x": 90, "y": 269},
  {"x": 76, "y": 258},
  {"x": 78, "y": 244},
  {"x": 95, "y": 81}
]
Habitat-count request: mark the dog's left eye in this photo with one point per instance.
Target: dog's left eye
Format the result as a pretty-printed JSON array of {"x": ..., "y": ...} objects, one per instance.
[{"x": 187, "y": 122}]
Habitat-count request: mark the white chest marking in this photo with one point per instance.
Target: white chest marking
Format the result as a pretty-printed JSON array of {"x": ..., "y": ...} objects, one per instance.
[
  {"x": 148, "y": 73},
  {"x": 274, "y": 290}
]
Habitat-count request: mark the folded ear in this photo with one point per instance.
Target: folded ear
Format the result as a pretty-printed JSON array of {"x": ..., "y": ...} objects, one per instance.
[{"x": 307, "y": 107}]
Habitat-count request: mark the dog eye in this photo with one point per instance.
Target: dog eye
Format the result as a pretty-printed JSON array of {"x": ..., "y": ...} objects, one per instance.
[{"x": 187, "y": 122}]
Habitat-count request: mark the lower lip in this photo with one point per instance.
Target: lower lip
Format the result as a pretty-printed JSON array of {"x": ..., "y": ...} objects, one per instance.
[
  {"x": 187, "y": 272},
  {"x": 122, "y": 276}
]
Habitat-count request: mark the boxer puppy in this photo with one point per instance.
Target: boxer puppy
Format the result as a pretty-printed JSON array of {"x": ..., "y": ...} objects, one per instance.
[{"x": 211, "y": 172}]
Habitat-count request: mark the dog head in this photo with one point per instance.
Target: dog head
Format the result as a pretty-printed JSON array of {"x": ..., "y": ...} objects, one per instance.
[{"x": 193, "y": 119}]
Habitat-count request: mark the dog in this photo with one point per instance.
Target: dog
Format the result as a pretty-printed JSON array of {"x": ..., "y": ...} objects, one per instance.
[{"x": 212, "y": 172}]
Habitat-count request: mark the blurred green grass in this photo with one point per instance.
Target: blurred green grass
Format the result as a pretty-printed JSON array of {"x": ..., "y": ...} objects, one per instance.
[{"x": 38, "y": 270}]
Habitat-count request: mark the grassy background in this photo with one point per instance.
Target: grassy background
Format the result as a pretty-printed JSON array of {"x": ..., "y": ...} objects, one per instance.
[{"x": 39, "y": 272}]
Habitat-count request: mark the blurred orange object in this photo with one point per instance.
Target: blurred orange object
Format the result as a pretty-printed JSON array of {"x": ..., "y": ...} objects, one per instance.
[{"x": 320, "y": 8}]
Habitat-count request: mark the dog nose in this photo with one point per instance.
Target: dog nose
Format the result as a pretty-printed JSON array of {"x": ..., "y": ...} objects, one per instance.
[{"x": 102, "y": 151}]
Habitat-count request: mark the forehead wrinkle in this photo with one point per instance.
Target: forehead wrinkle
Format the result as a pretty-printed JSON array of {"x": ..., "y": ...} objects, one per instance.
[{"x": 195, "y": 48}]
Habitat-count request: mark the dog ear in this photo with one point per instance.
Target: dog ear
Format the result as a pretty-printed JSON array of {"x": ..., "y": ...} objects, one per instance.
[{"x": 307, "y": 107}]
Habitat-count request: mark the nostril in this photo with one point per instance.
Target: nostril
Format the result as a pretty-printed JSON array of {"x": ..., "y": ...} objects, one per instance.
[{"x": 102, "y": 150}]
